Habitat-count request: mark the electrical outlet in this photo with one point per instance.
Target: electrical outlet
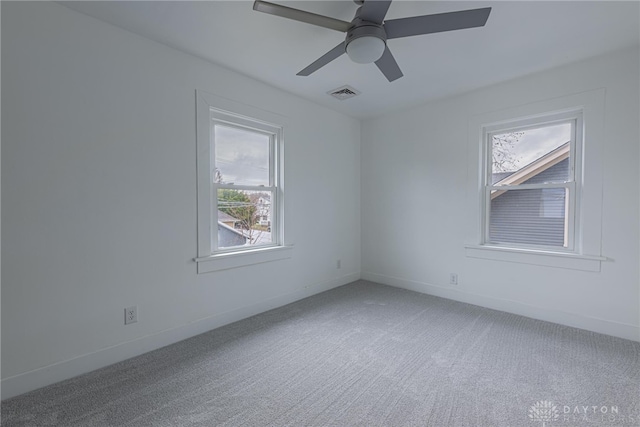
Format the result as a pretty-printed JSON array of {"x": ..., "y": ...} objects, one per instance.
[
  {"x": 338, "y": 264},
  {"x": 131, "y": 315},
  {"x": 453, "y": 279}
]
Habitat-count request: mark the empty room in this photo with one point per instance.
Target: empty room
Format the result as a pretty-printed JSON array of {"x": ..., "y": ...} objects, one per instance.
[{"x": 320, "y": 213}]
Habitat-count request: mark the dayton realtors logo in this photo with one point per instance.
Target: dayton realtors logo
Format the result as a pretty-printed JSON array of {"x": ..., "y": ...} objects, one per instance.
[{"x": 544, "y": 411}]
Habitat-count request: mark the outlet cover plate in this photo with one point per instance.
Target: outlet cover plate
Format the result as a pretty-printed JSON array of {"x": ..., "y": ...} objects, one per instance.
[{"x": 131, "y": 315}]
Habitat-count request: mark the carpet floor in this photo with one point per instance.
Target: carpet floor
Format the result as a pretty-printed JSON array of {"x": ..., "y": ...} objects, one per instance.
[{"x": 362, "y": 354}]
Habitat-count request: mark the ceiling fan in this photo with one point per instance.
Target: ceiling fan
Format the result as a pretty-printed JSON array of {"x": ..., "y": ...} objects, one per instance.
[{"x": 368, "y": 32}]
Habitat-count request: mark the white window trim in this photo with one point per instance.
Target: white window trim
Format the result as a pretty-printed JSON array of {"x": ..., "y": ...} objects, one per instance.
[
  {"x": 587, "y": 252},
  {"x": 209, "y": 108}
]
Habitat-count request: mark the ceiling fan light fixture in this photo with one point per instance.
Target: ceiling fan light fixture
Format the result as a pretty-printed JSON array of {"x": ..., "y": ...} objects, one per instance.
[{"x": 366, "y": 49}]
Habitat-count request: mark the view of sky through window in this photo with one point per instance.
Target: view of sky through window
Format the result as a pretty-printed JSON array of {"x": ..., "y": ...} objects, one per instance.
[
  {"x": 241, "y": 156},
  {"x": 514, "y": 150}
]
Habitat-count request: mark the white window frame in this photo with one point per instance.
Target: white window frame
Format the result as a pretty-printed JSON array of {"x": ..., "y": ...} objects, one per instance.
[
  {"x": 212, "y": 110},
  {"x": 572, "y": 186},
  {"x": 586, "y": 252}
]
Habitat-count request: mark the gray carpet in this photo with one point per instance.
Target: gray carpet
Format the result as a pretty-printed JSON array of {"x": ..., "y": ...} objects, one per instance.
[{"x": 359, "y": 355}]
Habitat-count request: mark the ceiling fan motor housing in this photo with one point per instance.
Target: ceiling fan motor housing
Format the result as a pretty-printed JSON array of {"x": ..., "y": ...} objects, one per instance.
[{"x": 370, "y": 34}]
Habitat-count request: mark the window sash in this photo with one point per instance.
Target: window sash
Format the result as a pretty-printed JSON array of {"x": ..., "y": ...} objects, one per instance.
[
  {"x": 569, "y": 217},
  {"x": 273, "y": 212},
  {"x": 574, "y": 119}
]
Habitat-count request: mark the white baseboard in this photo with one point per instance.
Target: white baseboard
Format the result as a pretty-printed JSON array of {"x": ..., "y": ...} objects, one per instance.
[
  {"x": 41, "y": 377},
  {"x": 607, "y": 327}
]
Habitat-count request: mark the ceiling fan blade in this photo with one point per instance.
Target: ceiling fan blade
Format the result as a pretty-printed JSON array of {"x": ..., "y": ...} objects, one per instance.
[
  {"x": 324, "y": 59},
  {"x": 301, "y": 15},
  {"x": 427, "y": 24},
  {"x": 374, "y": 10},
  {"x": 388, "y": 65}
]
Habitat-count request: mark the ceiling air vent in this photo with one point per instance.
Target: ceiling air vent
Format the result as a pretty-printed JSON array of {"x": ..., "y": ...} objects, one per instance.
[{"x": 344, "y": 92}]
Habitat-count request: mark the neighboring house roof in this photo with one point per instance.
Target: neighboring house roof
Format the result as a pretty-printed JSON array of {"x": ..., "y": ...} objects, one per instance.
[
  {"x": 499, "y": 176},
  {"x": 225, "y": 217},
  {"x": 231, "y": 229},
  {"x": 534, "y": 168}
]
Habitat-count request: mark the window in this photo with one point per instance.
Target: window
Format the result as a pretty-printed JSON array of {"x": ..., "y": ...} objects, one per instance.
[
  {"x": 531, "y": 182},
  {"x": 240, "y": 192},
  {"x": 534, "y": 192},
  {"x": 244, "y": 177}
]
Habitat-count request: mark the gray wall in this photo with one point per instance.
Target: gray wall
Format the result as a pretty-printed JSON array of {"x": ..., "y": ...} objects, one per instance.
[
  {"x": 99, "y": 197},
  {"x": 429, "y": 191}
]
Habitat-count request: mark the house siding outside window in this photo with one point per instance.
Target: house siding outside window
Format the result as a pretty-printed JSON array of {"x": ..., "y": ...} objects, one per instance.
[{"x": 534, "y": 216}]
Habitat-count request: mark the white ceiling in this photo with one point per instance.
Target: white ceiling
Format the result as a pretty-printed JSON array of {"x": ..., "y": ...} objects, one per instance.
[{"x": 519, "y": 38}]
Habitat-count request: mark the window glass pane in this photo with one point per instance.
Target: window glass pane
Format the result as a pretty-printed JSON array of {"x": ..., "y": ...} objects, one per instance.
[
  {"x": 532, "y": 217},
  {"x": 241, "y": 156},
  {"x": 244, "y": 218},
  {"x": 539, "y": 155}
]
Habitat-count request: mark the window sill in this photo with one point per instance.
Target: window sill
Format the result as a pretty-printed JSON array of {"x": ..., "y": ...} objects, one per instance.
[
  {"x": 536, "y": 257},
  {"x": 229, "y": 260}
]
